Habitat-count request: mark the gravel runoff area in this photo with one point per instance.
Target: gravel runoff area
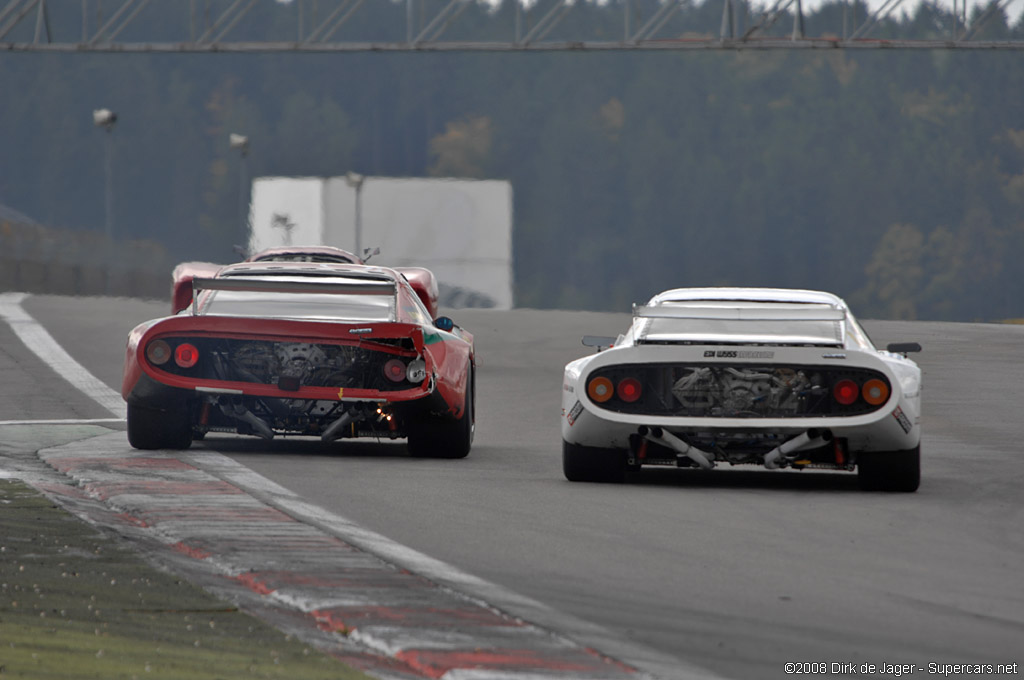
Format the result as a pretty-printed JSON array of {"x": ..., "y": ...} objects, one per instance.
[{"x": 76, "y": 603}]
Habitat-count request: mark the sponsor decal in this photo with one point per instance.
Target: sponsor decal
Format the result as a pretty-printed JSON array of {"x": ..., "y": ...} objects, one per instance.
[
  {"x": 574, "y": 413},
  {"x": 431, "y": 337},
  {"x": 341, "y": 393},
  {"x": 902, "y": 419},
  {"x": 738, "y": 354},
  {"x": 416, "y": 314}
]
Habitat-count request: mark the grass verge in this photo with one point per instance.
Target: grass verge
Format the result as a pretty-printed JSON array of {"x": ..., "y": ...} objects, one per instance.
[{"x": 75, "y": 604}]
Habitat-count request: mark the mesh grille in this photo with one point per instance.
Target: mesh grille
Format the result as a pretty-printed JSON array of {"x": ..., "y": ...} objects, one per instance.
[
  {"x": 300, "y": 364},
  {"x": 736, "y": 390}
]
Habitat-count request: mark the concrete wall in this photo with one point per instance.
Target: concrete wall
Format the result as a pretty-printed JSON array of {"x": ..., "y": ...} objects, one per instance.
[
  {"x": 459, "y": 229},
  {"x": 286, "y": 211}
]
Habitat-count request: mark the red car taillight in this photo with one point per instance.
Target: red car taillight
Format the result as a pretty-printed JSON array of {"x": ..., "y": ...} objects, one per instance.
[
  {"x": 629, "y": 390},
  {"x": 845, "y": 392},
  {"x": 186, "y": 355},
  {"x": 158, "y": 352},
  {"x": 394, "y": 370}
]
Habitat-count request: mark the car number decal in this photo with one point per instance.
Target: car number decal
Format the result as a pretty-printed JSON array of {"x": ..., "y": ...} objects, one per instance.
[
  {"x": 902, "y": 419},
  {"x": 574, "y": 413}
]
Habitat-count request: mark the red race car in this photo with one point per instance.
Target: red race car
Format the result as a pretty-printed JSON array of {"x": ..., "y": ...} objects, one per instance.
[
  {"x": 302, "y": 348},
  {"x": 422, "y": 280}
]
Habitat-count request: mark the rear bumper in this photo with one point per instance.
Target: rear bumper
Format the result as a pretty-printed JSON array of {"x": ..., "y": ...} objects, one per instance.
[
  {"x": 893, "y": 428},
  {"x": 232, "y": 411},
  {"x": 154, "y": 394}
]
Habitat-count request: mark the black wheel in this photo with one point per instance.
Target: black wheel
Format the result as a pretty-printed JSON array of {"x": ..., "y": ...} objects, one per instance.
[
  {"x": 446, "y": 438},
  {"x": 590, "y": 464},
  {"x": 155, "y": 429},
  {"x": 895, "y": 471}
]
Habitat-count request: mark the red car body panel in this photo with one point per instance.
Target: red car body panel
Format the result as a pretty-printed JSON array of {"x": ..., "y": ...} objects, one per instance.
[
  {"x": 182, "y": 276},
  {"x": 447, "y": 356},
  {"x": 422, "y": 280},
  {"x": 425, "y": 284},
  {"x": 437, "y": 355}
]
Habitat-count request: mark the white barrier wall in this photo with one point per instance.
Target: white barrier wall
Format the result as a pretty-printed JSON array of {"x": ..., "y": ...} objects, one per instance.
[
  {"x": 459, "y": 229},
  {"x": 286, "y": 211}
]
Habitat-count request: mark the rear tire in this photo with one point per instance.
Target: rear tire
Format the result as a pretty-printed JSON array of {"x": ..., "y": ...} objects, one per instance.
[
  {"x": 150, "y": 429},
  {"x": 446, "y": 438},
  {"x": 591, "y": 464},
  {"x": 893, "y": 471}
]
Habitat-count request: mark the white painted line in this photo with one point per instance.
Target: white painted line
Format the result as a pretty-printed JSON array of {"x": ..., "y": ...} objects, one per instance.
[
  {"x": 37, "y": 339},
  {"x": 651, "y": 663},
  {"x": 64, "y": 421},
  {"x": 473, "y": 674}
]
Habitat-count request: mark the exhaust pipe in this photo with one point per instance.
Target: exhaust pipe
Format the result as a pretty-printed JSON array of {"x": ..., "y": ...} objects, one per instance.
[
  {"x": 335, "y": 429},
  {"x": 811, "y": 439},
  {"x": 238, "y": 411},
  {"x": 660, "y": 436}
]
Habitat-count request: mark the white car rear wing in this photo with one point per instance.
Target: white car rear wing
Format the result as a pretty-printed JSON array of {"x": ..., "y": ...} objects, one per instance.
[
  {"x": 799, "y": 312},
  {"x": 739, "y": 323}
]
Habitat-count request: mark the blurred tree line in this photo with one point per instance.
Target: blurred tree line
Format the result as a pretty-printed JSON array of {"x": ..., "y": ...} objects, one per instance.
[{"x": 894, "y": 178}]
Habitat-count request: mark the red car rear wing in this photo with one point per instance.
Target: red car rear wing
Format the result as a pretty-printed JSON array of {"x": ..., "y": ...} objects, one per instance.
[{"x": 366, "y": 285}]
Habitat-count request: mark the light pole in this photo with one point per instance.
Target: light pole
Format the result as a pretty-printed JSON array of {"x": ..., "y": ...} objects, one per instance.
[
  {"x": 355, "y": 180},
  {"x": 241, "y": 142},
  {"x": 105, "y": 118}
]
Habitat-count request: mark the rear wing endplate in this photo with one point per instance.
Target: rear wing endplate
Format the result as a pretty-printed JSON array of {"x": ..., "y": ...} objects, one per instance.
[{"x": 600, "y": 342}]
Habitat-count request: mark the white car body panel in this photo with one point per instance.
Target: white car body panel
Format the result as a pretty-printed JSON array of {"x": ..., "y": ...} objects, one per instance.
[{"x": 748, "y": 327}]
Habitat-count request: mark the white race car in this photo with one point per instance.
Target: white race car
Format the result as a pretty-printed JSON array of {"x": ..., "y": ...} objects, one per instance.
[{"x": 760, "y": 376}]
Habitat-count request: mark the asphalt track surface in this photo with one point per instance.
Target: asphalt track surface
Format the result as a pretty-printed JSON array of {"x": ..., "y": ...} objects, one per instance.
[{"x": 735, "y": 571}]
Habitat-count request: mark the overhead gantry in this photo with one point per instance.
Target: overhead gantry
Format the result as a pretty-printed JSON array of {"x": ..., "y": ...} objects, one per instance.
[{"x": 208, "y": 26}]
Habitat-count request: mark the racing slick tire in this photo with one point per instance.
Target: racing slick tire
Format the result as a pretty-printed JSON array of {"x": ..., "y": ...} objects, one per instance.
[
  {"x": 894, "y": 471},
  {"x": 591, "y": 464},
  {"x": 155, "y": 429},
  {"x": 449, "y": 438}
]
